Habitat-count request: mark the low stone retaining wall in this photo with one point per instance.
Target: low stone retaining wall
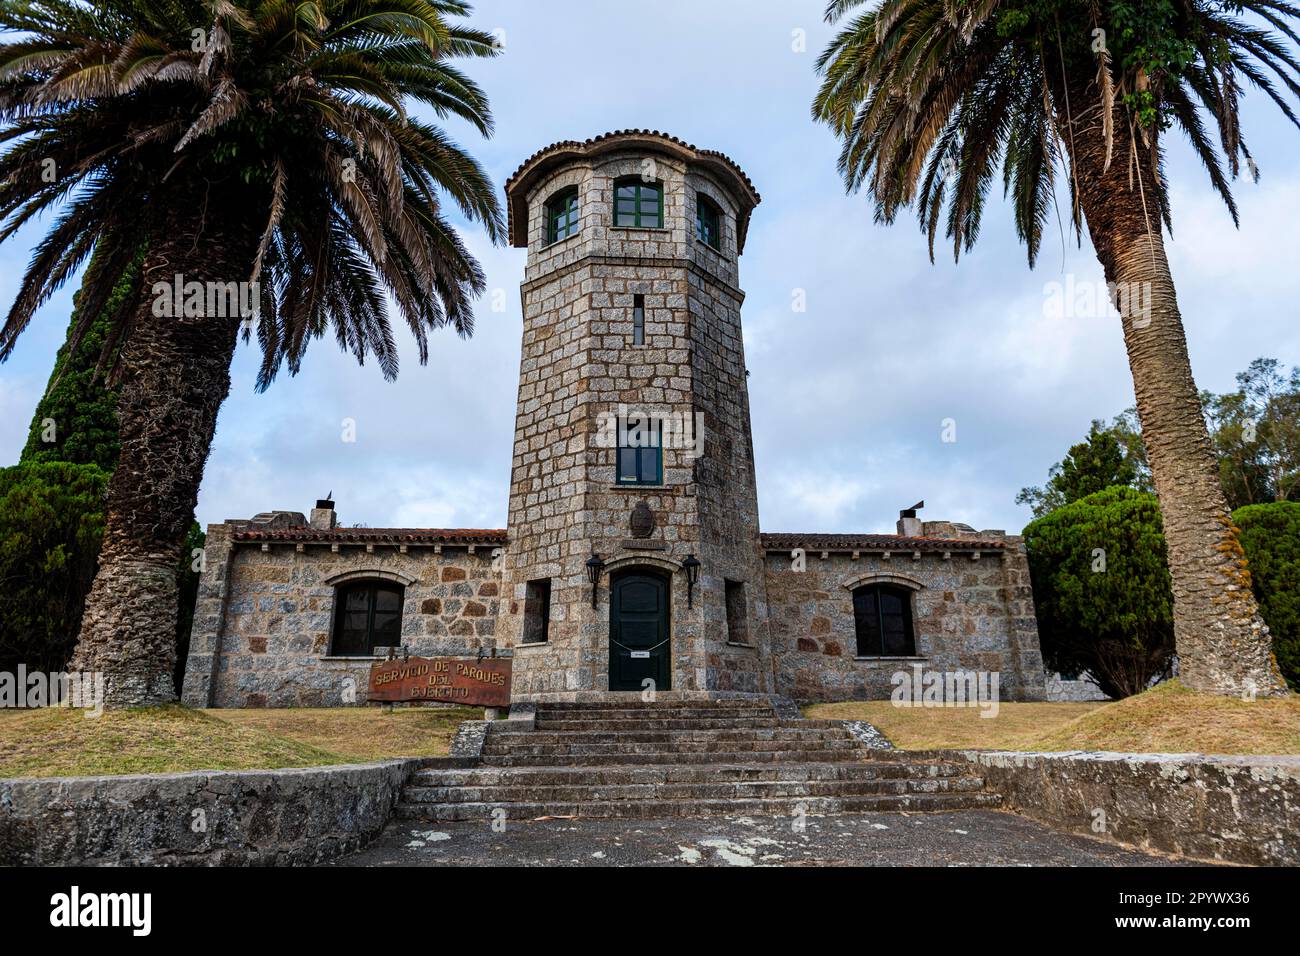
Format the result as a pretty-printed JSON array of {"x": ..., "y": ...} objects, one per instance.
[
  {"x": 1234, "y": 809},
  {"x": 280, "y": 817}
]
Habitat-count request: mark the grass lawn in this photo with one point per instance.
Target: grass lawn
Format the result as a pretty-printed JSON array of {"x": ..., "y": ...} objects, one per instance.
[
  {"x": 57, "y": 742},
  {"x": 359, "y": 733},
  {"x": 1169, "y": 718}
]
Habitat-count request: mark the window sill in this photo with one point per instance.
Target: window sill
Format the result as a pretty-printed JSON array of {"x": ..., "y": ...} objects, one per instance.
[
  {"x": 533, "y": 644},
  {"x": 663, "y": 229},
  {"x": 713, "y": 249},
  {"x": 631, "y": 487},
  {"x": 901, "y": 657},
  {"x": 546, "y": 247},
  {"x": 356, "y": 657},
  {"x": 748, "y": 647}
]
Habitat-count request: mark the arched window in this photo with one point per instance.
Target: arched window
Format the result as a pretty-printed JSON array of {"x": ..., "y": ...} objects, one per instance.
[
  {"x": 638, "y": 203},
  {"x": 562, "y": 215},
  {"x": 882, "y": 616},
  {"x": 708, "y": 221},
  {"x": 367, "y": 614}
]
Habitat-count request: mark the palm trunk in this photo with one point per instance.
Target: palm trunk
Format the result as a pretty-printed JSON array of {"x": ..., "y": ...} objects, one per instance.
[
  {"x": 175, "y": 375},
  {"x": 1223, "y": 643}
]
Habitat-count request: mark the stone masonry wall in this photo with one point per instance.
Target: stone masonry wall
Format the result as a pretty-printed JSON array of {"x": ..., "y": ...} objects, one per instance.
[
  {"x": 967, "y": 615},
  {"x": 1236, "y": 809},
  {"x": 271, "y": 645},
  {"x": 276, "y": 817},
  {"x": 264, "y": 617},
  {"x": 579, "y": 362}
]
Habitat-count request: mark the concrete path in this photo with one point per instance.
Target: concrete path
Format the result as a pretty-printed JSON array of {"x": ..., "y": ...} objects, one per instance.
[{"x": 960, "y": 838}]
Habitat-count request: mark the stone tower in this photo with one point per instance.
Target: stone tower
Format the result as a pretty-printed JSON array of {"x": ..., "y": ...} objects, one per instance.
[{"x": 633, "y": 461}]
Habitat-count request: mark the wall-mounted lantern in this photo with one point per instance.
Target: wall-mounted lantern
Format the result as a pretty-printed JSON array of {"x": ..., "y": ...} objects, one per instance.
[
  {"x": 594, "y": 566},
  {"x": 692, "y": 568}
]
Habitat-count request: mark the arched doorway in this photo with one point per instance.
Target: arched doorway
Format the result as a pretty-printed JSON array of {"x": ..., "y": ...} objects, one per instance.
[{"x": 640, "y": 645}]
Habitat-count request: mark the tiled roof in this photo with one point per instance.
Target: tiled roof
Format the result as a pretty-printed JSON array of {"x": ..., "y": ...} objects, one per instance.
[
  {"x": 875, "y": 542},
  {"x": 380, "y": 535},
  {"x": 777, "y": 541},
  {"x": 516, "y": 205}
]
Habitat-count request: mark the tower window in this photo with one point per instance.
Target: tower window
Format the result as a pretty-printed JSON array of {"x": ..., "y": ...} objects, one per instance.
[
  {"x": 537, "y": 611},
  {"x": 737, "y": 621},
  {"x": 640, "y": 452},
  {"x": 708, "y": 220},
  {"x": 639, "y": 204},
  {"x": 882, "y": 617},
  {"x": 638, "y": 320},
  {"x": 562, "y": 215},
  {"x": 367, "y": 614}
]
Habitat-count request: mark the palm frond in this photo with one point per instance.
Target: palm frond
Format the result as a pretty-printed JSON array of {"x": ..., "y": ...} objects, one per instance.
[
  {"x": 110, "y": 114},
  {"x": 927, "y": 96}
]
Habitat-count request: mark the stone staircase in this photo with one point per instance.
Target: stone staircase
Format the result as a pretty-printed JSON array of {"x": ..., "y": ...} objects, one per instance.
[{"x": 683, "y": 758}]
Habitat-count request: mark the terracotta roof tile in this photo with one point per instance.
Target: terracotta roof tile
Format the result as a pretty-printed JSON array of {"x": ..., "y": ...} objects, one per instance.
[
  {"x": 380, "y": 535},
  {"x": 782, "y": 541},
  {"x": 583, "y": 144},
  {"x": 516, "y": 205}
]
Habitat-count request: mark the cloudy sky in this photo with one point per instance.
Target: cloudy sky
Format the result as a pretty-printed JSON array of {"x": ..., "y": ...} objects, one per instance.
[{"x": 848, "y": 396}]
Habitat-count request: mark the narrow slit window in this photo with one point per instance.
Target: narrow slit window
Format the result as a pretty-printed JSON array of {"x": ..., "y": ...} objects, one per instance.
[
  {"x": 537, "y": 611},
  {"x": 638, "y": 320},
  {"x": 737, "y": 621},
  {"x": 708, "y": 221}
]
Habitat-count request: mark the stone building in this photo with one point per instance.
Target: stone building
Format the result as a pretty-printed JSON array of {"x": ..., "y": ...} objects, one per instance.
[{"x": 632, "y": 555}]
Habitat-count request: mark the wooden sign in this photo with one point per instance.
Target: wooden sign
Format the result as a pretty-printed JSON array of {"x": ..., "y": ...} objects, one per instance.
[{"x": 454, "y": 680}]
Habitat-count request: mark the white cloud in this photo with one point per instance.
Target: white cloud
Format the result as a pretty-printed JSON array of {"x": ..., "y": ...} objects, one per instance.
[{"x": 847, "y": 398}]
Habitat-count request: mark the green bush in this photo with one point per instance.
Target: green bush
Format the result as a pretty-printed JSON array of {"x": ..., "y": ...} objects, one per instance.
[
  {"x": 51, "y": 530},
  {"x": 1102, "y": 589},
  {"x": 76, "y": 418},
  {"x": 1270, "y": 536},
  {"x": 51, "y": 525}
]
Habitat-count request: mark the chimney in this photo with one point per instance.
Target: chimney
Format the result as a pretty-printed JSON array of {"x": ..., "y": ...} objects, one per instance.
[
  {"x": 323, "y": 517},
  {"x": 909, "y": 525}
]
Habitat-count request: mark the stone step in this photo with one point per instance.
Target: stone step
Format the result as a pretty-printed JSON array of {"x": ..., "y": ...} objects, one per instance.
[
  {"x": 658, "y": 723},
  {"x": 674, "y": 773},
  {"x": 651, "y": 756},
  {"x": 655, "y": 711},
  {"x": 795, "y": 736},
  {"x": 635, "y": 702},
  {"x": 585, "y": 746},
  {"x": 653, "y": 809},
  {"x": 735, "y": 790}
]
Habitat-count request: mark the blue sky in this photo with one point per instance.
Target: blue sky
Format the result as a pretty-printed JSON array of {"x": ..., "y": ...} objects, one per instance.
[{"x": 848, "y": 397}]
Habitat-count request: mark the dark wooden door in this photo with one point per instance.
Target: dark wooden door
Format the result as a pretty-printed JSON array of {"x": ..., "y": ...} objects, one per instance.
[{"x": 639, "y": 645}]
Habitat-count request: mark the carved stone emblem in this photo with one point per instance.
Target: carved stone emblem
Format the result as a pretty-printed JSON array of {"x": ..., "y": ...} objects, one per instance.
[{"x": 643, "y": 520}]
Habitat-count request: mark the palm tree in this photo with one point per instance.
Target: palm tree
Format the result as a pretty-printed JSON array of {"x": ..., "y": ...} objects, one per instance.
[
  {"x": 929, "y": 96},
  {"x": 240, "y": 141}
]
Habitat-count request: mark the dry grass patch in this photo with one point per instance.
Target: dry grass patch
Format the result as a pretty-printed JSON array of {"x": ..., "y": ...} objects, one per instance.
[
  {"x": 1169, "y": 718},
  {"x": 59, "y": 742},
  {"x": 360, "y": 733},
  {"x": 1172, "y": 718},
  {"x": 930, "y": 728}
]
